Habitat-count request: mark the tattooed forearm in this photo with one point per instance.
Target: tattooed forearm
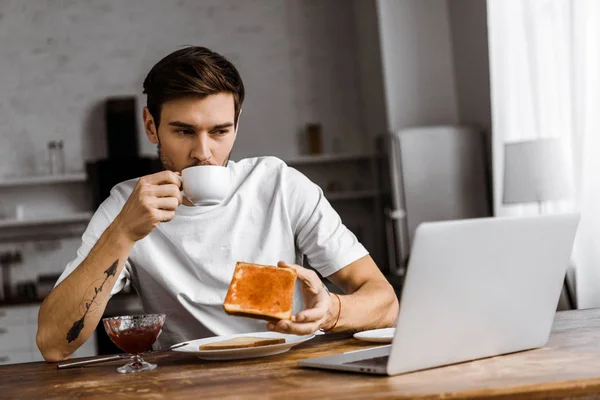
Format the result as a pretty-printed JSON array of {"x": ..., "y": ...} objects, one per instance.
[{"x": 78, "y": 325}]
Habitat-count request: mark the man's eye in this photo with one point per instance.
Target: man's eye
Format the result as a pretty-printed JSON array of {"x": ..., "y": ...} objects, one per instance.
[
  {"x": 185, "y": 131},
  {"x": 221, "y": 132}
]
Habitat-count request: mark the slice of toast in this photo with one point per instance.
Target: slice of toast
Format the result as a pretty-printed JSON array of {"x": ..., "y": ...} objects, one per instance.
[
  {"x": 261, "y": 292},
  {"x": 241, "y": 342}
]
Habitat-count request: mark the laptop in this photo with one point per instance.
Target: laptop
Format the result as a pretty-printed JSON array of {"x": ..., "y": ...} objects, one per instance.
[{"x": 474, "y": 288}]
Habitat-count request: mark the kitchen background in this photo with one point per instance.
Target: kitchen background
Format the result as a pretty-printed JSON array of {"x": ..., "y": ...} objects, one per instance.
[{"x": 358, "y": 68}]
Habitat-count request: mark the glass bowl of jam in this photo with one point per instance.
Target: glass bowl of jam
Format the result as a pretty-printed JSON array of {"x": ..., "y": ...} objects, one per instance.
[{"x": 134, "y": 334}]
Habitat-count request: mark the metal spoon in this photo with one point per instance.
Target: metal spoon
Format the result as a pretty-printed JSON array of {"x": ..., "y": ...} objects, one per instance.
[{"x": 116, "y": 357}]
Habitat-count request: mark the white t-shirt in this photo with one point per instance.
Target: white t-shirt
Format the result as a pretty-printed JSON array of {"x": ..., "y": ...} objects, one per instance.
[{"x": 183, "y": 268}]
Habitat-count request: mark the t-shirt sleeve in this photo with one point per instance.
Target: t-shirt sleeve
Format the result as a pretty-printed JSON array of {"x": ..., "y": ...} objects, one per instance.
[
  {"x": 318, "y": 229},
  {"x": 101, "y": 219}
]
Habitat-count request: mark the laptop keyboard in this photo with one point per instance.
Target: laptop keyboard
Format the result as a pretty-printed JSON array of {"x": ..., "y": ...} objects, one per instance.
[{"x": 371, "y": 362}]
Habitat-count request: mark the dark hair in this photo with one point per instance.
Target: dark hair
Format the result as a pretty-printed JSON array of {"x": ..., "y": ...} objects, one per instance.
[{"x": 192, "y": 71}]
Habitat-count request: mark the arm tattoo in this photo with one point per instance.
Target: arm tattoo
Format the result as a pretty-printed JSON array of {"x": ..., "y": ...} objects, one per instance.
[{"x": 78, "y": 325}]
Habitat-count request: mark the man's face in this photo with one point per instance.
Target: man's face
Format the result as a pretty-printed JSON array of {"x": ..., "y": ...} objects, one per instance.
[{"x": 193, "y": 131}]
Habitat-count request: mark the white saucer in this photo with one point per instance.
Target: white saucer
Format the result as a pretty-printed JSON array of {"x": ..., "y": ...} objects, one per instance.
[
  {"x": 193, "y": 347},
  {"x": 377, "y": 335}
]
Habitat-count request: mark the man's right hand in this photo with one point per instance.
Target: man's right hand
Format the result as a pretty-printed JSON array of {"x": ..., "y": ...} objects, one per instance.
[{"x": 153, "y": 200}]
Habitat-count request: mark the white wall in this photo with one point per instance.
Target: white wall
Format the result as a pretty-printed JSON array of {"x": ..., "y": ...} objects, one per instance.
[
  {"x": 417, "y": 63},
  {"x": 436, "y": 61},
  {"x": 370, "y": 69},
  {"x": 468, "y": 26},
  {"x": 59, "y": 59}
]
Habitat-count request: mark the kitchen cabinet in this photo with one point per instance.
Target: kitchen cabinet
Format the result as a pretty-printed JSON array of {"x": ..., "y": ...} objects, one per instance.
[{"x": 18, "y": 327}]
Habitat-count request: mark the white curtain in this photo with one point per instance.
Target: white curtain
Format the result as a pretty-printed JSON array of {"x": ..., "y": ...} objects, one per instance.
[{"x": 545, "y": 81}]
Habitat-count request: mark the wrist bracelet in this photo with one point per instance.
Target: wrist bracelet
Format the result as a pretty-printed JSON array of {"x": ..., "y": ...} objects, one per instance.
[{"x": 338, "y": 316}]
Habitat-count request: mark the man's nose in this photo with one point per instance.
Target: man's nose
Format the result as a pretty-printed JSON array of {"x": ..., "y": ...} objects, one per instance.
[{"x": 201, "y": 150}]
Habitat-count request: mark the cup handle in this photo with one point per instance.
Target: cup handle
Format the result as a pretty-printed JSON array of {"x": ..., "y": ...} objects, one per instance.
[{"x": 181, "y": 188}]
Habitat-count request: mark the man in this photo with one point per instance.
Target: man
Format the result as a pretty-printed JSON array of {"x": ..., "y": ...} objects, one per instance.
[{"x": 180, "y": 258}]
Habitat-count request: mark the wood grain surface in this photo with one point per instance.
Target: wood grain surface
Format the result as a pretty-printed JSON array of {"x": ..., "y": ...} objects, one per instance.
[{"x": 567, "y": 367}]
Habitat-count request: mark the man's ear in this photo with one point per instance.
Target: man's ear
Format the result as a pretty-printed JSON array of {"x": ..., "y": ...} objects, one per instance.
[{"x": 150, "y": 126}]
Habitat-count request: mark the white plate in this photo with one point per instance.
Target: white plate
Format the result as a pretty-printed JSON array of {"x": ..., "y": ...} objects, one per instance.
[
  {"x": 193, "y": 347},
  {"x": 377, "y": 335}
]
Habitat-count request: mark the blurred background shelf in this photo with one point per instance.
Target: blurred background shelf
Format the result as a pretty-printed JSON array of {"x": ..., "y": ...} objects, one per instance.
[
  {"x": 42, "y": 179},
  {"x": 13, "y": 230},
  {"x": 63, "y": 219},
  {"x": 352, "y": 195},
  {"x": 327, "y": 158},
  {"x": 351, "y": 183}
]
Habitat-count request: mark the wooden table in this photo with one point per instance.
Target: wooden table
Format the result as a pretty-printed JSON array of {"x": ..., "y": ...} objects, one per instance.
[{"x": 569, "y": 366}]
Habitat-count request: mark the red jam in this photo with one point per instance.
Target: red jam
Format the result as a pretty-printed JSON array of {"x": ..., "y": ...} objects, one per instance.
[{"x": 135, "y": 340}]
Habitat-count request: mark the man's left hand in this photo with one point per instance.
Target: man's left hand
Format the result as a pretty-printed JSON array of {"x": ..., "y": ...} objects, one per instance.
[{"x": 317, "y": 305}]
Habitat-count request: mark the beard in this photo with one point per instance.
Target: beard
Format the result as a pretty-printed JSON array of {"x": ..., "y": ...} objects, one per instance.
[{"x": 168, "y": 164}]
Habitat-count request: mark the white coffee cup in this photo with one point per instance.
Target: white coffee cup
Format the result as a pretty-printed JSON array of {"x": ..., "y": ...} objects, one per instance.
[{"x": 206, "y": 185}]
